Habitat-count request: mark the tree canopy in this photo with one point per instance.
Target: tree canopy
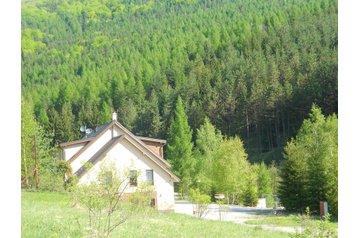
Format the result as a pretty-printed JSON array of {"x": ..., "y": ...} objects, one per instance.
[
  {"x": 310, "y": 171},
  {"x": 254, "y": 68}
]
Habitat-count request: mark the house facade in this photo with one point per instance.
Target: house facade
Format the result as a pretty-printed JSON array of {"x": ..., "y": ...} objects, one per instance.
[{"x": 113, "y": 143}]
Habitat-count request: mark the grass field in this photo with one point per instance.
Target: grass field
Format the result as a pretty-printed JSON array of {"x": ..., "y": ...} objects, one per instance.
[
  {"x": 284, "y": 220},
  {"x": 52, "y": 215}
]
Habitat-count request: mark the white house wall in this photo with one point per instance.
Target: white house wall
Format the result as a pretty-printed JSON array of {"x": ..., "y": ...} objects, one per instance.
[
  {"x": 71, "y": 150},
  {"x": 90, "y": 151},
  {"x": 126, "y": 157}
]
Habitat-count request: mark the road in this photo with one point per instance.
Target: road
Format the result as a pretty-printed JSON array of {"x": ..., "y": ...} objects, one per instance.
[{"x": 236, "y": 214}]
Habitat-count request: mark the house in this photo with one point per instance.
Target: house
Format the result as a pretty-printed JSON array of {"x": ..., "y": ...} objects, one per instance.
[{"x": 114, "y": 143}]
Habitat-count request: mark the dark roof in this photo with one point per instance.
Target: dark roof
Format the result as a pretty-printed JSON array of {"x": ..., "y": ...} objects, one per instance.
[{"x": 97, "y": 131}]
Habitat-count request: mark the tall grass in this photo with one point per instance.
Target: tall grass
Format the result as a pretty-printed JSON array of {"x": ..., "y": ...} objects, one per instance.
[{"x": 54, "y": 215}]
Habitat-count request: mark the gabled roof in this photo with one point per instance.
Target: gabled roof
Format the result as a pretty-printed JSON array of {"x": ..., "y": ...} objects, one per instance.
[
  {"x": 99, "y": 154},
  {"x": 75, "y": 142},
  {"x": 98, "y": 130},
  {"x": 142, "y": 144},
  {"x": 161, "y": 141},
  {"x": 91, "y": 138},
  {"x": 94, "y": 139}
]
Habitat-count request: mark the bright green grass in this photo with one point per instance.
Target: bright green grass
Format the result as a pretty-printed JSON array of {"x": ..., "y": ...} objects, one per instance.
[
  {"x": 285, "y": 220},
  {"x": 52, "y": 215}
]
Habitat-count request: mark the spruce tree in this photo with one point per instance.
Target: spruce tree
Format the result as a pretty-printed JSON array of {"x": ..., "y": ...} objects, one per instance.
[
  {"x": 264, "y": 184},
  {"x": 180, "y": 146},
  {"x": 309, "y": 174}
]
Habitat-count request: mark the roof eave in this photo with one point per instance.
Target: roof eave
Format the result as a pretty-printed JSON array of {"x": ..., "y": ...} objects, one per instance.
[
  {"x": 161, "y": 141},
  {"x": 75, "y": 142}
]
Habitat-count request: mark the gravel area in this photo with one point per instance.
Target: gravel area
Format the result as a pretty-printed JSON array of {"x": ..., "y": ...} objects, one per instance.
[{"x": 235, "y": 214}]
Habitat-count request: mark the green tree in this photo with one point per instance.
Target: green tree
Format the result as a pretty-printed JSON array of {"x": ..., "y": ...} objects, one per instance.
[
  {"x": 309, "y": 174},
  {"x": 264, "y": 184},
  {"x": 28, "y": 132},
  {"x": 35, "y": 145},
  {"x": 250, "y": 192},
  {"x": 208, "y": 140},
  {"x": 232, "y": 172},
  {"x": 149, "y": 120},
  {"x": 180, "y": 147}
]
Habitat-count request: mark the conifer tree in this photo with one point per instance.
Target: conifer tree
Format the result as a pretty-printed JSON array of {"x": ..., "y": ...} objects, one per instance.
[
  {"x": 180, "y": 146},
  {"x": 309, "y": 174},
  {"x": 207, "y": 142},
  {"x": 264, "y": 184}
]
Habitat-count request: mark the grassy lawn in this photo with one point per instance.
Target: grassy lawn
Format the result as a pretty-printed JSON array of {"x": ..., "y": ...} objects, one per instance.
[
  {"x": 283, "y": 220},
  {"x": 52, "y": 215}
]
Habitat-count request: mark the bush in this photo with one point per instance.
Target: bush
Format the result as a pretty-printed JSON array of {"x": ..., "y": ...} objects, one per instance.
[
  {"x": 106, "y": 202},
  {"x": 143, "y": 195},
  {"x": 71, "y": 182},
  {"x": 312, "y": 229},
  {"x": 201, "y": 202},
  {"x": 51, "y": 182}
]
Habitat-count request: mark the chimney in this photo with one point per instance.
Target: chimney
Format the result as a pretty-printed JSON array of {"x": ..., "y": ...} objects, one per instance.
[{"x": 114, "y": 116}]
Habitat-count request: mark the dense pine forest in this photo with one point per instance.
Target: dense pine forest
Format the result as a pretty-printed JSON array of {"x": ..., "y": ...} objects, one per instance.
[{"x": 253, "y": 67}]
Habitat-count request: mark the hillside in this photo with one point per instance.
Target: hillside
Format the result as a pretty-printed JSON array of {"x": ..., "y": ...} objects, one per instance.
[{"x": 254, "y": 67}]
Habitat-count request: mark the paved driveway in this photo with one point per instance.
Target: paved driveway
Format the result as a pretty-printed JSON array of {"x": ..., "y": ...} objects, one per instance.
[
  {"x": 231, "y": 213},
  {"x": 236, "y": 214}
]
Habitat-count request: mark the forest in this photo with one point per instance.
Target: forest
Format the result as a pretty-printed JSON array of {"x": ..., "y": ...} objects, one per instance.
[
  {"x": 244, "y": 91},
  {"x": 254, "y": 68}
]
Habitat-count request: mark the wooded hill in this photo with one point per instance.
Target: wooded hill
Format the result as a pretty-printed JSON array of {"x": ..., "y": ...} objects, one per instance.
[{"x": 254, "y": 67}]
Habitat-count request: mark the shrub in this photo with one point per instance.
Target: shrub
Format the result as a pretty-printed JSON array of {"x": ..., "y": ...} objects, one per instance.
[
  {"x": 312, "y": 229},
  {"x": 51, "y": 182},
  {"x": 71, "y": 182},
  {"x": 201, "y": 202},
  {"x": 143, "y": 195},
  {"x": 105, "y": 201}
]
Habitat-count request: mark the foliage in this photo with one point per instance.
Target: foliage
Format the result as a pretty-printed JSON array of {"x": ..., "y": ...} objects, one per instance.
[
  {"x": 143, "y": 195},
  {"x": 103, "y": 199},
  {"x": 253, "y": 68},
  {"x": 208, "y": 141},
  {"x": 50, "y": 182},
  {"x": 311, "y": 229},
  {"x": 250, "y": 193},
  {"x": 180, "y": 146},
  {"x": 201, "y": 202},
  {"x": 63, "y": 168},
  {"x": 309, "y": 174},
  {"x": 275, "y": 182},
  {"x": 71, "y": 182},
  {"x": 35, "y": 145},
  {"x": 233, "y": 175},
  {"x": 265, "y": 184}
]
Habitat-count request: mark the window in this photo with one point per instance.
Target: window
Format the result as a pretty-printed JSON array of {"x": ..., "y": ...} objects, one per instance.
[
  {"x": 133, "y": 175},
  {"x": 149, "y": 173},
  {"x": 152, "y": 202}
]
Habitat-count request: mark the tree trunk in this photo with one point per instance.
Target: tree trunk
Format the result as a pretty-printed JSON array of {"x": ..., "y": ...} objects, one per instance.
[{"x": 247, "y": 125}]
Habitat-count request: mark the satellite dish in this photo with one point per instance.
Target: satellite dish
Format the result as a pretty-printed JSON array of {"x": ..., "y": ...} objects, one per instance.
[
  {"x": 83, "y": 129},
  {"x": 89, "y": 131}
]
